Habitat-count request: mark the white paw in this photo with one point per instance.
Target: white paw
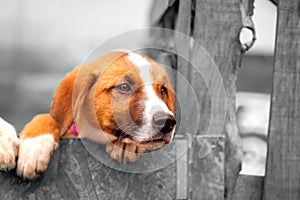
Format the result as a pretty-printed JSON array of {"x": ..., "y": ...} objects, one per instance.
[
  {"x": 9, "y": 143},
  {"x": 34, "y": 155}
]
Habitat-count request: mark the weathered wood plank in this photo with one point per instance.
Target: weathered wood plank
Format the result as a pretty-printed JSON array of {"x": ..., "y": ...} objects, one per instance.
[
  {"x": 248, "y": 188},
  {"x": 282, "y": 179},
  {"x": 182, "y": 169},
  {"x": 74, "y": 173},
  {"x": 183, "y": 25},
  {"x": 207, "y": 168},
  {"x": 217, "y": 25}
]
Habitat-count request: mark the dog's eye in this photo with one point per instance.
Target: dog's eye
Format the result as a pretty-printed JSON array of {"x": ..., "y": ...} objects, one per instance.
[
  {"x": 124, "y": 88},
  {"x": 163, "y": 91}
]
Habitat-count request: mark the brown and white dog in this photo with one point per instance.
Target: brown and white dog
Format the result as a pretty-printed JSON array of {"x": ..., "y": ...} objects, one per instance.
[{"x": 123, "y": 100}]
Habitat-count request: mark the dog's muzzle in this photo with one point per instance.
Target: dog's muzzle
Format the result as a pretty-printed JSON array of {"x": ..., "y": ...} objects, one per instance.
[{"x": 163, "y": 122}]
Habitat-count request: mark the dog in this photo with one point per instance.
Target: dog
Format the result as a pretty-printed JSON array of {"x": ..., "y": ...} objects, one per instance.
[{"x": 123, "y": 100}]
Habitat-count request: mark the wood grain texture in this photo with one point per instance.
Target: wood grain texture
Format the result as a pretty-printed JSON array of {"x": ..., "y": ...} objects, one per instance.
[
  {"x": 207, "y": 170},
  {"x": 183, "y": 25},
  {"x": 217, "y": 25},
  {"x": 248, "y": 188},
  {"x": 282, "y": 179},
  {"x": 74, "y": 173}
]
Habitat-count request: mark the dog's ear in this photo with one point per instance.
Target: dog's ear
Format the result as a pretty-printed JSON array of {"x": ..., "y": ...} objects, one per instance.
[
  {"x": 70, "y": 95},
  {"x": 65, "y": 97}
]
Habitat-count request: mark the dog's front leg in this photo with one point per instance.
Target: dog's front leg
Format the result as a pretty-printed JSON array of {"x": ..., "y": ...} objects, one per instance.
[
  {"x": 38, "y": 141},
  {"x": 9, "y": 144}
]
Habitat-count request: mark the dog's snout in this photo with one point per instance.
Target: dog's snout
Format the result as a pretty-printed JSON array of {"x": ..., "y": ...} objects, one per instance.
[{"x": 164, "y": 122}]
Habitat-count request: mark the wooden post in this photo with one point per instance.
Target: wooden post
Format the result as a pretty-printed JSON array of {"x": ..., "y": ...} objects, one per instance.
[
  {"x": 248, "y": 188},
  {"x": 216, "y": 26},
  {"x": 282, "y": 180}
]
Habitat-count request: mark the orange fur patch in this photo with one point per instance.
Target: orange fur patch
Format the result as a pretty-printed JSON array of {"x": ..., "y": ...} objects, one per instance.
[{"x": 39, "y": 125}]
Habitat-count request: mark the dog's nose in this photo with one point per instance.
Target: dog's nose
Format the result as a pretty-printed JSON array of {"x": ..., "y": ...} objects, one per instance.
[{"x": 164, "y": 122}]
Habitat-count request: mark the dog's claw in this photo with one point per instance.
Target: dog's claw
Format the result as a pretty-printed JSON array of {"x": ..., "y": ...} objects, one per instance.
[{"x": 124, "y": 152}]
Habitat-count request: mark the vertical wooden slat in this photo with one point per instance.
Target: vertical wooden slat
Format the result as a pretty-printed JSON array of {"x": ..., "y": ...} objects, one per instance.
[
  {"x": 282, "y": 179},
  {"x": 248, "y": 188},
  {"x": 183, "y": 25},
  {"x": 182, "y": 168},
  {"x": 207, "y": 169},
  {"x": 217, "y": 25}
]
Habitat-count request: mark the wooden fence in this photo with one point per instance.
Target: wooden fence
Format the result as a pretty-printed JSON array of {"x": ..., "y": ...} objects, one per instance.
[{"x": 75, "y": 174}]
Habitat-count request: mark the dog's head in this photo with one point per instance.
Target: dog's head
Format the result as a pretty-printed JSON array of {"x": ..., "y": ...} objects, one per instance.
[{"x": 127, "y": 95}]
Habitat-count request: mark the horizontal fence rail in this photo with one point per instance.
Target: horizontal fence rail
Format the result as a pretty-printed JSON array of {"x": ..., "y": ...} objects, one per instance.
[{"x": 74, "y": 173}]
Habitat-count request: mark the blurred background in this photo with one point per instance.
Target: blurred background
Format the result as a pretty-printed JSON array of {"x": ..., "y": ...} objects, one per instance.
[
  {"x": 40, "y": 41},
  {"x": 254, "y": 86}
]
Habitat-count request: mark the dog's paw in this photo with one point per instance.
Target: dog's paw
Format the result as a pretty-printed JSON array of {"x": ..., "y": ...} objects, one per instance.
[
  {"x": 124, "y": 152},
  {"x": 35, "y": 155},
  {"x": 9, "y": 143}
]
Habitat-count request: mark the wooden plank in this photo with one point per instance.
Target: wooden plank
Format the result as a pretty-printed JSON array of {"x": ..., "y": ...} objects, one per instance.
[
  {"x": 183, "y": 25},
  {"x": 216, "y": 27},
  {"x": 282, "y": 179},
  {"x": 248, "y": 188},
  {"x": 207, "y": 170},
  {"x": 182, "y": 168},
  {"x": 157, "y": 11},
  {"x": 75, "y": 174}
]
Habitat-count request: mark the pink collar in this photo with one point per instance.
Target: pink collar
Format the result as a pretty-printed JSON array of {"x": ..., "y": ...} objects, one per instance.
[{"x": 73, "y": 129}]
